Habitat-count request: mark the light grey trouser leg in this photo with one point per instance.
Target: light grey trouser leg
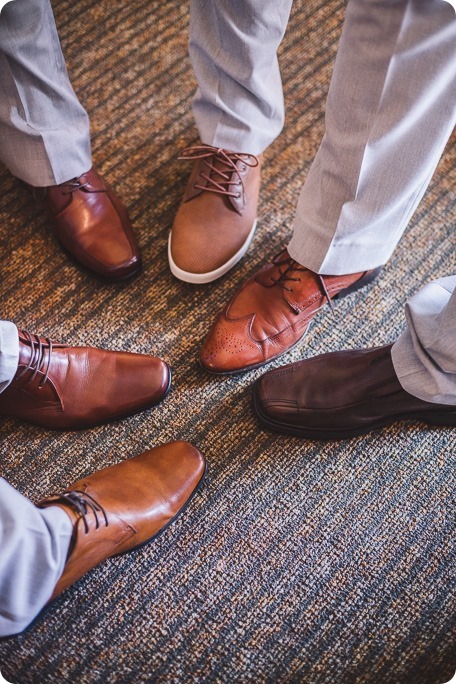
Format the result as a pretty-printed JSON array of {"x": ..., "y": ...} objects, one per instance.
[
  {"x": 34, "y": 545},
  {"x": 9, "y": 353},
  {"x": 233, "y": 45},
  {"x": 44, "y": 130},
  {"x": 424, "y": 356},
  {"x": 391, "y": 108}
]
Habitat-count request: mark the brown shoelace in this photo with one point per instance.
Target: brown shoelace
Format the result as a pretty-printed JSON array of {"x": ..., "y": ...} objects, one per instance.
[
  {"x": 285, "y": 275},
  {"x": 219, "y": 179},
  {"x": 74, "y": 184},
  {"x": 83, "y": 504},
  {"x": 37, "y": 356}
]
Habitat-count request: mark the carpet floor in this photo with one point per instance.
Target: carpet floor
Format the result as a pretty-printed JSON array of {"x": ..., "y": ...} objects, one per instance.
[{"x": 298, "y": 561}]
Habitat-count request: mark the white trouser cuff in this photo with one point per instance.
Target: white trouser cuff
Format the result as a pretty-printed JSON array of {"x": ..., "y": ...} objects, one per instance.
[{"x": 424, "y": 356}]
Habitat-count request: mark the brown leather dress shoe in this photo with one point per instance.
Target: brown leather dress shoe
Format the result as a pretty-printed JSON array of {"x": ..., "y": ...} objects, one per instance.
[
  {"x": 217, "y": 218},
  {"x": 271, "y": 312},
  {"x": 341, "y": 395},
  {"x": 69, "y": 388},
  {"x": 120, "y": 508},
  {"x": 92, "y": 224}
]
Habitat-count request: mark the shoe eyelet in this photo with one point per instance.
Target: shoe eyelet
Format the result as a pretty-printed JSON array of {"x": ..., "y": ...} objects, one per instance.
[{"x": 238, "y": 196}]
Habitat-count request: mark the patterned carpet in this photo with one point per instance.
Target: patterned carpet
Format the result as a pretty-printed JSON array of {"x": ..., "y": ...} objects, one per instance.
[{"x": 298, "y": 561}]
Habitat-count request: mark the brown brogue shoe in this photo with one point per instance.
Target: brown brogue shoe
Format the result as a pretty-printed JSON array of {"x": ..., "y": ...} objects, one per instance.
[
  {"x": 69, "y": 388},
  {"x": 122, "y": 507},
  {"x": 271, "y": 312},
  {"x": 93, "y": 226},
  {"x": 216, "y": 221},
  {"x": 341, "y": 395}
]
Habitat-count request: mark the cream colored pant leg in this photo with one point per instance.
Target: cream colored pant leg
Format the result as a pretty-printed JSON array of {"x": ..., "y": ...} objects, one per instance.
[
  {"x": 233, "y": 45},
  {"x": 9, "y": 353},
  {"x": 391, "y": 108},
  {"x": 424, "y": 356},
  {"x": 34, "y": 546},
  {"x": 44, "y": 130}
]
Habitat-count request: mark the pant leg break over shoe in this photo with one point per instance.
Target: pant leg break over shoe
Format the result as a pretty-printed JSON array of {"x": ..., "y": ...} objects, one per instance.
[
  {"x": 124, "y": 506},
  {"x": 271, "y": 312},
  {"x": 340, "y": 395}
]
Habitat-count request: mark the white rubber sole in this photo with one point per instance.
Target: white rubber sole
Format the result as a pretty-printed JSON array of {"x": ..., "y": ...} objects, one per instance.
[{"x": 202, "y": 278}]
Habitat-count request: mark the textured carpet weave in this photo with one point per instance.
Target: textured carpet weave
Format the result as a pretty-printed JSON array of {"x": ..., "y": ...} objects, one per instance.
[{"x": 298, "y": 561}]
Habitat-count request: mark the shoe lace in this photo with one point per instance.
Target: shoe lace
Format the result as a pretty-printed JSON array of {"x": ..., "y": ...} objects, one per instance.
[
  {"x": 74, "y": 184},
  {"x": 285, "y": 274},
  {"x": 219, "y": 179},
  {"x": 83, "y": 504},
  {"x": 37, "y": 356}
]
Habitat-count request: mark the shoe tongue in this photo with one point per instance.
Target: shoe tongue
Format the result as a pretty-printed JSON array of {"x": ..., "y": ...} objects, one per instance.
[{"x": 270, "y": 273}]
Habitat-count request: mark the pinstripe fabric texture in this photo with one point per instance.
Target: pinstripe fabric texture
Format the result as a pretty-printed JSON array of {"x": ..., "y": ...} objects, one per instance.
[{"x": 298, "y": 561}]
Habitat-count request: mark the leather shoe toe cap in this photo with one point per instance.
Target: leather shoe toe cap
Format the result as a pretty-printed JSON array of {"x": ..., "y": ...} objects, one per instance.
[{"x": 229, "y": 348}]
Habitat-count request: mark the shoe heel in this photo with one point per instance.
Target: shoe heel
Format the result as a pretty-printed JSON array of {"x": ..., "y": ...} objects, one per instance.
[
  {"x": 444, "y": 419},
  {"x": 365, "y": 280}
]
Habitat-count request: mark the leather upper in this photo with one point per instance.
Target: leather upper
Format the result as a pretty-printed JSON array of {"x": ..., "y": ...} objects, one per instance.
[
  {"x": 121, "y": 507},
  {"x": 268, "y": 314},
  {"x": 62, "y": 387},
  {"x": 92, "y": 224},
  {"x": 337, "y": 391}
]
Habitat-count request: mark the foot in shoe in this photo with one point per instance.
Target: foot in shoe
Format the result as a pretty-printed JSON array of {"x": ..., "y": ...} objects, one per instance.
[
  {"x": 341, "y": 395},
  {"x": 92, "y": 224},
  {"x": 122, "y": 507},
  {"x": 271, "y": 312},
  {"x": 68, "y": 388},
  {"x": 215, "y": 223}
]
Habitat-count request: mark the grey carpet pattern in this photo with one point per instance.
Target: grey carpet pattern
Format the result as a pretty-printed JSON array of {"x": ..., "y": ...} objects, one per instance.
[{"x": 298, "y": 561}]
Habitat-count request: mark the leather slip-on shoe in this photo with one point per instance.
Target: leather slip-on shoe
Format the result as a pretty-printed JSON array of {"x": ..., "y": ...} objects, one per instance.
[
  {"x": 125, "y": 506},
  {"x": 92, "y": 225},
  {"x": 216, "y": 220},
  {"x": 70, "y": 388},
  {"x": 341, "y": 395},
  {"x": 271, "y": 312}
]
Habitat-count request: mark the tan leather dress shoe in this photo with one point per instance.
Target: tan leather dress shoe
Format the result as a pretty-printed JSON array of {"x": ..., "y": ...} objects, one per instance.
[
  {"x": 216, "y": 221},
  {"x": 92, "y": 224},
  {"x": 271, "y": 312},
  {"x": 69, "y": 388},
  {"x": 122, "y": 507},
  {"x": 341, "y": 395}
]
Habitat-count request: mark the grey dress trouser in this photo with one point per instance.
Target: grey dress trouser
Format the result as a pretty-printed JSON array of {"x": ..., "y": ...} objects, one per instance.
[
  {"x": 34, "y": 546},
  {"x": 44, "y": 130}
]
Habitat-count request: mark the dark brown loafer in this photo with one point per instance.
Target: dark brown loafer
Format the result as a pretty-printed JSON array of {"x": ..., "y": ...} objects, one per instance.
[
  {"x": 69, "y": 388},
  {"x": 122, "y": 507},
  {"x": 92, "y": 224},
  {"x": 271, "y": 312},
  {"x": 341, "y": 395}
]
